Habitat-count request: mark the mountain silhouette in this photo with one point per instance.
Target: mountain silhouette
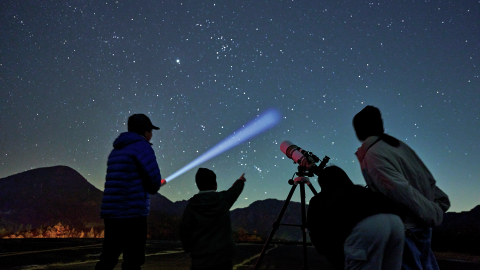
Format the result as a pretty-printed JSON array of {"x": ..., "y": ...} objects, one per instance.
[
  {"x": 45, "y": 196},
  {"x": 459, "y": 232}
]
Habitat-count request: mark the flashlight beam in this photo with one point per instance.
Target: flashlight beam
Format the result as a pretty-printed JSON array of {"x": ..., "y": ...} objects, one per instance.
[{"x": 262, "y": 123}]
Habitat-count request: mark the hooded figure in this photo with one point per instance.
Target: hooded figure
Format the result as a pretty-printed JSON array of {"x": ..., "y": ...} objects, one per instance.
[
  {"x": 354, "y": 227},
  {"x": 205, "y": 230}
]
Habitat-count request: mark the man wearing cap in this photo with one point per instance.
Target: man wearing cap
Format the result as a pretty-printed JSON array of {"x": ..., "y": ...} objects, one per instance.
[
  {"x": 132, "y": 175},
  {"x": 391, "y": 167}
]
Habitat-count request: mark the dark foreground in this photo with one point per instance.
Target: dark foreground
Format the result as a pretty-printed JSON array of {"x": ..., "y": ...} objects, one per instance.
[{"x": 83, "y": 253}]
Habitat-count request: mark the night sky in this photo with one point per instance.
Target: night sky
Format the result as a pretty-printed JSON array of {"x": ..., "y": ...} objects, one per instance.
[{"x": 71, "y": 72}]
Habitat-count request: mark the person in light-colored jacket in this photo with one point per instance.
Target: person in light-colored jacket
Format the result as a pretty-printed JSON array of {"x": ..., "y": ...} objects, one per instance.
[{"x": 392, "y": 168}]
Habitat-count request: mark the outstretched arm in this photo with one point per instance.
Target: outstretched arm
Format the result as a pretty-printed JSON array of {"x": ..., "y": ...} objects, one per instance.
[{"x": 236, "y": 189}]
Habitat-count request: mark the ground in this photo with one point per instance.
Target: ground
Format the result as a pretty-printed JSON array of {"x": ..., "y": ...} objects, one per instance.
[{"x": 83, "y": 254}]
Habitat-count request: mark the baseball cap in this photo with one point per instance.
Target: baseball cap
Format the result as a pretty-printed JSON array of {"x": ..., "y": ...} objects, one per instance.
[{"x": 140, "y": 123}]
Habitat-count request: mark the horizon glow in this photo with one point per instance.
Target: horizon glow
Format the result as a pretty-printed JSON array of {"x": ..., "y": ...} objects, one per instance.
[{"x": 265, "y": 121}]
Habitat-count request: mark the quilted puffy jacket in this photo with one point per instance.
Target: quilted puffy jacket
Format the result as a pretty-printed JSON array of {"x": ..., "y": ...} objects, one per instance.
[{"x": 132, "y": 174}]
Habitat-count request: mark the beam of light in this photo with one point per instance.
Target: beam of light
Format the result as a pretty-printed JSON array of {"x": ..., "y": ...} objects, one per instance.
[{"x": 260, "y": 124}]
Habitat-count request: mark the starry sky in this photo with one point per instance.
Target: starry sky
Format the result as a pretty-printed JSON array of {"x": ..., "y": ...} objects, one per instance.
[{"x": 71, "y": 72}]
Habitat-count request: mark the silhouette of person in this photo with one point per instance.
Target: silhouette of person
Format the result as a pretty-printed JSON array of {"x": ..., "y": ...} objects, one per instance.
[
  {"x": 205, "y": 229},
  {"x": 132, "y": 174},
  {"x": 392, "y": 168},
  {"x": 354, "y": 227}
]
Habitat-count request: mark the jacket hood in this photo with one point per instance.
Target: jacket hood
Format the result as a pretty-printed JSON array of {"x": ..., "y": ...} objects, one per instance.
[
  {"x": 127, "y": 138},
  {"x": 207, "y": 204}
]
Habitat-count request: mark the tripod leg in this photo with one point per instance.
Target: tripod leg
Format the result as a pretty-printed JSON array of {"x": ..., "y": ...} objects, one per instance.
[
  {"x": 304, "y": 225},
  {"x": 312, "y": 188},
  {"x": 275, "y": 226}
]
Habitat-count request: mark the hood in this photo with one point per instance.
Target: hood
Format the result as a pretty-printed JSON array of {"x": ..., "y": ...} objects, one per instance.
[
  {"x": 127, "y": 138},
  {"x": 207, "y": 205}
]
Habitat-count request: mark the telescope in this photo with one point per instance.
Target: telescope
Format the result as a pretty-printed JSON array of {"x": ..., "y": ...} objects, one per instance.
[
  {"x": 306, "y": 160},
  {"x": 306, "y": 168}
]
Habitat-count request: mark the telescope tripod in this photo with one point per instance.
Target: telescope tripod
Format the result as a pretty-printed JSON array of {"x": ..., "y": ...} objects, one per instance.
[{"x": 298, "y": 181}]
